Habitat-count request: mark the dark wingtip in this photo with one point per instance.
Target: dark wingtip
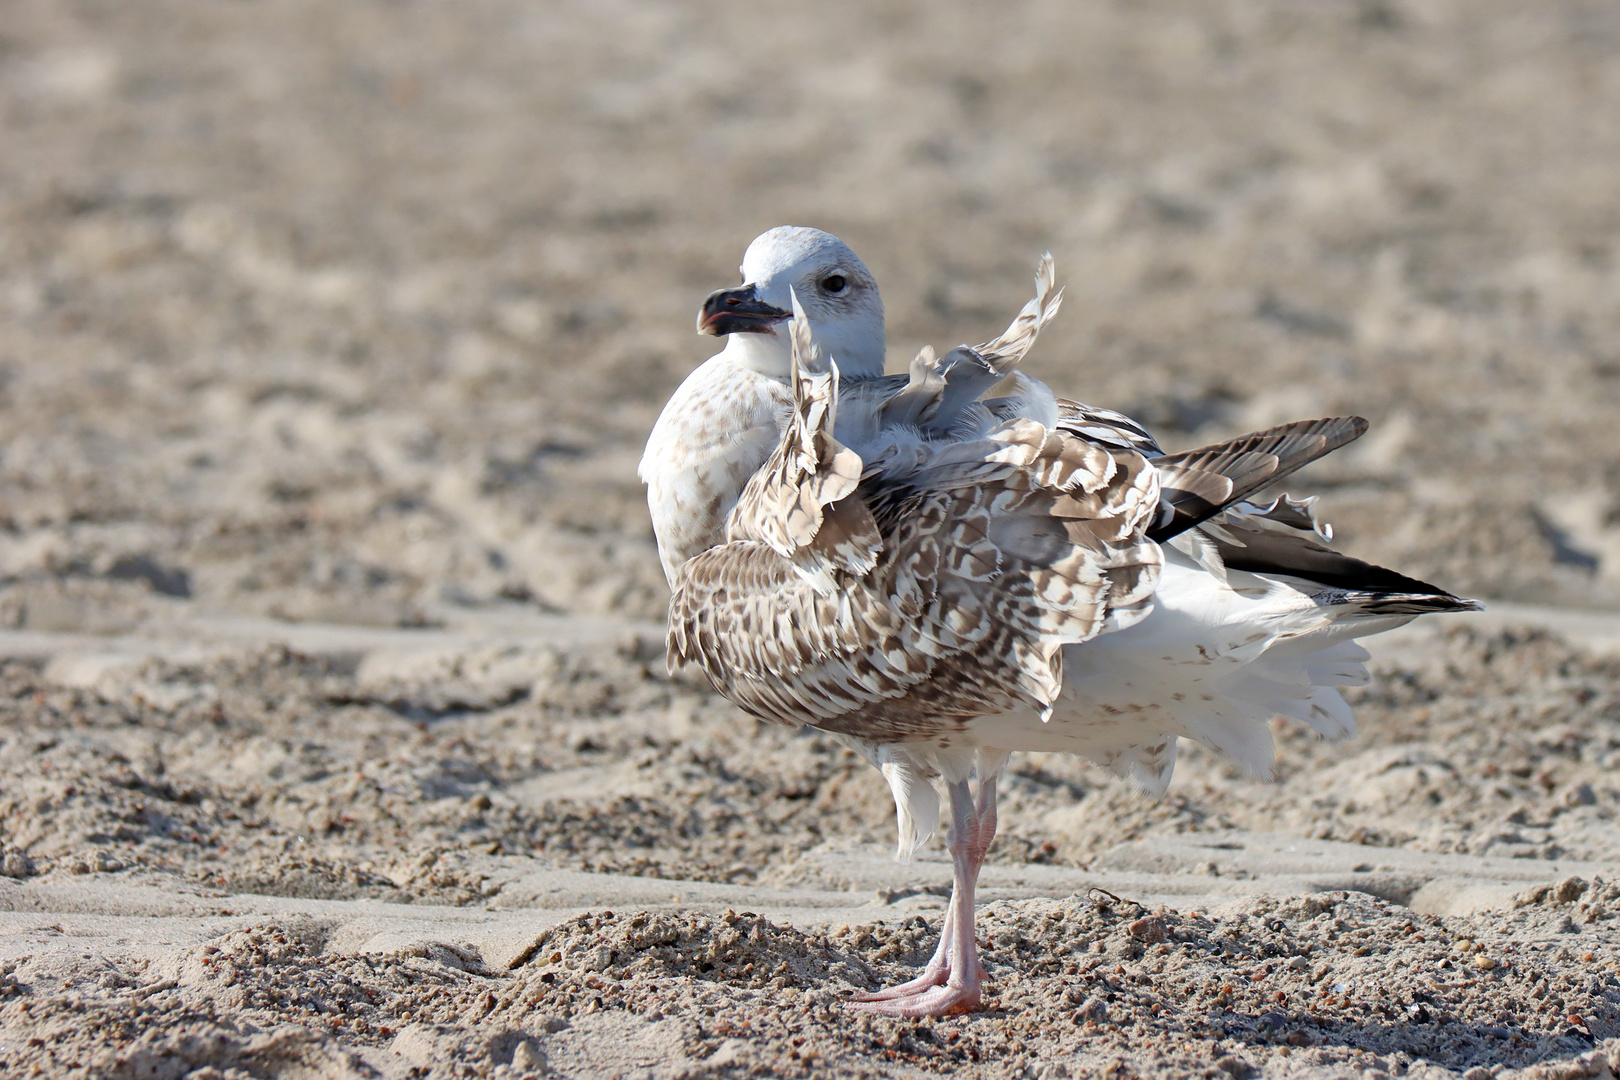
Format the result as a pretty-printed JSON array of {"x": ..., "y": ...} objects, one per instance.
[
  {"x": 1414, "y": 604},
  {"x": 1341, "y": 430}
]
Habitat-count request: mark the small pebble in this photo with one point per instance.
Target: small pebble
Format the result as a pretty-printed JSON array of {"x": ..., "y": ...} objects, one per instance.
[
  {"x": 1581, "y": 795},
  {"x": 14, "y": 864},
  {"x": 1091, "y": 1009},
  {"x": 1484, "y": 963},
  {"x": 528, "y": 1058}
]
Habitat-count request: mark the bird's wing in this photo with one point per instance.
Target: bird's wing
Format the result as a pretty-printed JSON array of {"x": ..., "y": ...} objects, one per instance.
[
  {"x": 940, "y": 390},
  {"x": 1106, "y": 427},
  {"x": 1003, "y": 353},
  {"x": 1197, "y": 484}
]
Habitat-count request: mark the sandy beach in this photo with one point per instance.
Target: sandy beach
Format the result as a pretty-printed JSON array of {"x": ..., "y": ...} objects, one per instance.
[{"x": 335, "y": 733}]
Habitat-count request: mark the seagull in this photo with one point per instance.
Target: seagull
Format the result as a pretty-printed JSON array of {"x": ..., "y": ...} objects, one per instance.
[{"x": 948, "y": 566}]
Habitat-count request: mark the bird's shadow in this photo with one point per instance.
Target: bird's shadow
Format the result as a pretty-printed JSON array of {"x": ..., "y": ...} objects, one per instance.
[{"x": 1423, "y": 1034}]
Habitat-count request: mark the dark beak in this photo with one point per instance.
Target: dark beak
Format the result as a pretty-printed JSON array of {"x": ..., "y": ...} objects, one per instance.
[{"x": 738, "y": 311}]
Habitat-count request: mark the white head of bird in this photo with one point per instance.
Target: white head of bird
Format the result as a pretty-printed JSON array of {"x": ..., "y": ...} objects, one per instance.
[{"x": 833, "y": 285}]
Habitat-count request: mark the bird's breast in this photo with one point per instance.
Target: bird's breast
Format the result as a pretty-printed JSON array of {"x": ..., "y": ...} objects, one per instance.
[{"x": 716, "y": 431}]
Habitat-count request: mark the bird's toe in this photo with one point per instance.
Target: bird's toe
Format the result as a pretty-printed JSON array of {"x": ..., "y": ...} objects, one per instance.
[{"x": 943, "y": 1000}]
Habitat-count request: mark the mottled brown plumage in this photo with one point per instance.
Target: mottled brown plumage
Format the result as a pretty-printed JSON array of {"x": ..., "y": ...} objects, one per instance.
[{"x": 896, "y": 607}]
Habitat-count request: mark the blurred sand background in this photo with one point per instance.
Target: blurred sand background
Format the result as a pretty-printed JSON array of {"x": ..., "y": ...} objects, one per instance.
[{"x": 331, "y": 684}]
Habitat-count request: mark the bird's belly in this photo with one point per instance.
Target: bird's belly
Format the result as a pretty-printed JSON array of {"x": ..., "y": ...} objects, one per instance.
[
  {"x": 1091, "y": 722},
  {"x": 1089, "y": 733}
]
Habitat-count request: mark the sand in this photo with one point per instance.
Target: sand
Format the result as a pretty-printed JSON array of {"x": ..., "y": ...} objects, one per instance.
[
  {"x": 335, "y": 737},
  {"x": 362, "y": 852}
]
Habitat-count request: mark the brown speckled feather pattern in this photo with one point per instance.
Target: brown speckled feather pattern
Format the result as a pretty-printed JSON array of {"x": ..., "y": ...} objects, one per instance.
[
  {"x": 896, "y": 607},
  {"x": 1106, "y": 428}
]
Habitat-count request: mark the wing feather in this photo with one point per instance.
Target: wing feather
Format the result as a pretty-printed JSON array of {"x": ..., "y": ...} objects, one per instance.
[{"x": 1197, "y": 484}]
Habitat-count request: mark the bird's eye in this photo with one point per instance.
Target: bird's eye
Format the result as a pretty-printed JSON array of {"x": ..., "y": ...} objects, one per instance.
[{"x": 833, "y": 284}]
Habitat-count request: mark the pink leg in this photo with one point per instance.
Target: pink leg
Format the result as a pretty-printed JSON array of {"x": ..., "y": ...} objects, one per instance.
[
  {"x": 952, "y": 981},
  {"x": 985, "y": 811}
]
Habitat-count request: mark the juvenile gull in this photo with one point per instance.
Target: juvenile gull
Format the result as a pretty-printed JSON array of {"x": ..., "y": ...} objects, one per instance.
[{"x": 940, "y": 577}]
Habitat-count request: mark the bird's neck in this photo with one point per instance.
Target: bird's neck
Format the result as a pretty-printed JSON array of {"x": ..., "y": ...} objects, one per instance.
[{"x": 772, "y": 355}]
